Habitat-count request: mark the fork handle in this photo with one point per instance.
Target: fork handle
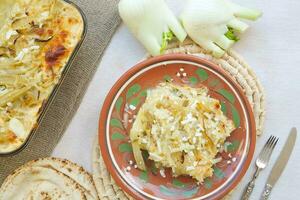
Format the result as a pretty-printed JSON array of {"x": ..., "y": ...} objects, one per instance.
[{"x": 248, "y": 191}]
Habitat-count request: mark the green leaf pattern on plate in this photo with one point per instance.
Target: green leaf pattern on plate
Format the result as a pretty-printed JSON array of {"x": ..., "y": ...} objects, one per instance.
[
  {"x": 173, "y": 192},
  {"x": 235, "y": 114},
  {"x": 202, "y": 74},
  {"x": 135, "y": 102},
  {"x": 167, "y": 78},
  {"x": 233, "y": 146},
  {"x": 190, "y": 193},
  {"x": 178, "y": 183},
  {"x": 119, "y": 103},
  {"x": 133, "y": 90},
  {"x": 117, "y": 136},
  {"x": 218, "y": 173},
  {"x": 235, "y": 117},
  {"x": 223, "y": 107},
  {"x": 125, "y": 147},
  {"x": 193, "y": 80},
  {"x": 228, "y": 95},
  {"x": 143, "y": 93},
  {"x": 208, "y": 183},
  {"x": 166, "y": 191},
  {"x": 116, "y": 123},
  {"x": 144, "y": 176}
]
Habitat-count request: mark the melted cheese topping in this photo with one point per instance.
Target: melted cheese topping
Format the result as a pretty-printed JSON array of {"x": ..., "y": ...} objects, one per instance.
[
  {"x": 36, "y": 42},
  {"x": 182, "y": 128}
]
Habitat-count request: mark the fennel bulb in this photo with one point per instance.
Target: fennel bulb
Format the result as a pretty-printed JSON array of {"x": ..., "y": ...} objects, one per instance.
[
  {"x": 212, "y": 23},
  {"x": 152, "y": 23}
]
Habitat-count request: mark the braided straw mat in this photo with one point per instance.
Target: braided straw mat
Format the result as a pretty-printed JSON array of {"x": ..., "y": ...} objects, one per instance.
[{"x": 230, "y": 62}]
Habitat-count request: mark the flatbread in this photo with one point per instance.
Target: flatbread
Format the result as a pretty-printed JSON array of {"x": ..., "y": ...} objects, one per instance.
[
  {"x": 72, "y": 170},
  {"x": 40, "y": 183},
  {"x": 49, "y": 178}
]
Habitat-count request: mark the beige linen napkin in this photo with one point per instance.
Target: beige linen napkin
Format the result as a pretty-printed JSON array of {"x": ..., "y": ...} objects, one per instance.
[{"x": 103, "y": 20}]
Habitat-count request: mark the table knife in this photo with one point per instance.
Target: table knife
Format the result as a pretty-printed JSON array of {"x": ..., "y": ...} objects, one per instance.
[{"x": 280, "y": 164}]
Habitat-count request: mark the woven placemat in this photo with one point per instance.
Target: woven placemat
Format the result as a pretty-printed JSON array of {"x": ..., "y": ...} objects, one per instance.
[
  {"x": 105, "y": 184},
  {"x": 230, "y": 62},
  {"x": 102, "y": 19}
]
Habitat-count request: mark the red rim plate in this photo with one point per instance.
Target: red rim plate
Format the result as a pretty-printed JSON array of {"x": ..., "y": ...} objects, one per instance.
[{"x": 130, "y": 90}]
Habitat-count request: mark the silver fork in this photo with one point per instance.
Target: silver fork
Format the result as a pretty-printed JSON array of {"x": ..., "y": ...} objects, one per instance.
[{"x": 261, "y": 163}]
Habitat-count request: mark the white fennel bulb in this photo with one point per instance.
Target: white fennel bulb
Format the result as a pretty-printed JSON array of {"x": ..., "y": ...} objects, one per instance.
[
  {"x": 213, "y": 23},
  {"x": 152, "y": 23}
]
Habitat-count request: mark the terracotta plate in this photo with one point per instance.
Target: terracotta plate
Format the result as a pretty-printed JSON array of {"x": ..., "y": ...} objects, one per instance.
[{"x": 122, "y": 104}]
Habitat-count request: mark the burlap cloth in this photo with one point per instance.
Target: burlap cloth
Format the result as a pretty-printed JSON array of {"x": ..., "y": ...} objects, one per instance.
[
  {"x": 103, "y": 19},
  {"x": 230, "y": 62}
]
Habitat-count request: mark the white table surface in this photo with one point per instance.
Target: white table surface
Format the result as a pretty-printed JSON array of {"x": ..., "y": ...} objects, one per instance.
[{"x": 271, "y": 46}]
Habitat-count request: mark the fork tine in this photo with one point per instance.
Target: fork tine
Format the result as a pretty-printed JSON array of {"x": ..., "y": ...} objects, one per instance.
[
  {"x": 270, "y": 149},
  {"x": 275, "y": 143},
  {"x": 266, "y": 153},
  {"x": 270, "y": 144},
  {"x": 265, "y": 146}
]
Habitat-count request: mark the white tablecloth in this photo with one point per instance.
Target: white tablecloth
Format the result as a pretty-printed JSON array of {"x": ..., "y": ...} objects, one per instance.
[{"x": 271, "y": 46}]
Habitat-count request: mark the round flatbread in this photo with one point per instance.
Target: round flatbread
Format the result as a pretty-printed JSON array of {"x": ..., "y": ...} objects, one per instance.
[
  {"x": 72, "y": 170},
  {"x": 49, "y": 178},
  {"x": 40, "y": 183}
]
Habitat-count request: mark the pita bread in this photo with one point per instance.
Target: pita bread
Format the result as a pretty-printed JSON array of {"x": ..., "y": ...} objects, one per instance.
[
  {"x": 40, "y": 183},
  {"x": 72, "y": 170},
  {"x": 49, "y": 178}
]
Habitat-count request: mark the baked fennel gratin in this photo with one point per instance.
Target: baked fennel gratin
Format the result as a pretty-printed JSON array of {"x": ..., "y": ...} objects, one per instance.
[
  {"x": 182, "y": 128},
  {"x": 36, "y": 41}
]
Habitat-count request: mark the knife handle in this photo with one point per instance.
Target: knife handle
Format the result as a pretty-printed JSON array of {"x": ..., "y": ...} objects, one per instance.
[{"x": 267, "y": 191}]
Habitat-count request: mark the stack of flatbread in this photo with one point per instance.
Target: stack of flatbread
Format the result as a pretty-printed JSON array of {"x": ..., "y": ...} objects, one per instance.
[{"x": 49, "y": 178}]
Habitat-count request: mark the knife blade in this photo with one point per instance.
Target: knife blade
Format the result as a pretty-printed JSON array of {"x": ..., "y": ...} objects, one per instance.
[{"x": 280, "y": 163}]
